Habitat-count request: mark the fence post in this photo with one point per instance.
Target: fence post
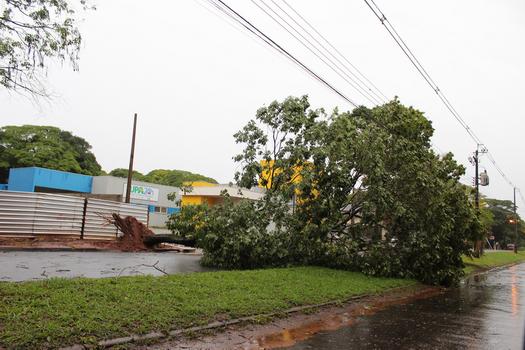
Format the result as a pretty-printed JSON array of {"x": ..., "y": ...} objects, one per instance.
[{"x": 83, "y": 218}]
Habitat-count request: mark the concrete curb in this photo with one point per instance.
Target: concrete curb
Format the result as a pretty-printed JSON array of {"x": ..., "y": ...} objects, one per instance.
[
  {"x": 483, "y": 271},
  {"x": 219, "y": 324}
]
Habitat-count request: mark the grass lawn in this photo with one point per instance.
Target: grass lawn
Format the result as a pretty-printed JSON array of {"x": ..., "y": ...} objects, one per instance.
[
  {"x": 60, "y": 312},
  {"x": 492, "y": 259}
]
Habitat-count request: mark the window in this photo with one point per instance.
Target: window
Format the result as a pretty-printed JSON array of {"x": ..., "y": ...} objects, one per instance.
[{"x": 162, "y": 210}]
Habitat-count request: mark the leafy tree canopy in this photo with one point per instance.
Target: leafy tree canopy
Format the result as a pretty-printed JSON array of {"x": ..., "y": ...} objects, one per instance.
[
  {"x": 47, "y": 147},
  {"x": 367, "y": 192},
  {"x": 122, "y": 172},
  {"x": 501, "y": 227},
  {"x": 31, "y": 33},
  {"x": 163, "y": 177}
]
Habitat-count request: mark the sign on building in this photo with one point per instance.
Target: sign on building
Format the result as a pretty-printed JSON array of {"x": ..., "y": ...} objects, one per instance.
[{"x": 146, "y": 193}]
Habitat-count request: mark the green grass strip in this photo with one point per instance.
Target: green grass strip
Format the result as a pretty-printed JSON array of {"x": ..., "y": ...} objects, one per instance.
[
  {"x": 492, "y": 259},
  {"x": 59, "y": 312}
]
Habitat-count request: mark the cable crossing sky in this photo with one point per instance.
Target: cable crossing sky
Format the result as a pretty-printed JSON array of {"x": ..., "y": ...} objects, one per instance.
[
  {"x": 293, "y": 23},
  {"x": 426, "y": 76}
]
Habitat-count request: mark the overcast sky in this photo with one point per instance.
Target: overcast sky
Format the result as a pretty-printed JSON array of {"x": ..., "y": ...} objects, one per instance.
[{"x": 195, "y": 79}]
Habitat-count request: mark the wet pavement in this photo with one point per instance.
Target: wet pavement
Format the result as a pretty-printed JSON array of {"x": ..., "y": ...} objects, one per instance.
[
  {"x": 34, "y": 265},
  {"x": 487, "y": 312}
]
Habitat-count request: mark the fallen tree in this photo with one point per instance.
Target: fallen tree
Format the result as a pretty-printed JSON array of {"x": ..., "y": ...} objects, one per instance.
[{"x": 133, "y": 232}]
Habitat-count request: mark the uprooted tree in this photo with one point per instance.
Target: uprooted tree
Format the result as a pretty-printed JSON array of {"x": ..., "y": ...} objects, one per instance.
[{"x": 359, "y": 190}]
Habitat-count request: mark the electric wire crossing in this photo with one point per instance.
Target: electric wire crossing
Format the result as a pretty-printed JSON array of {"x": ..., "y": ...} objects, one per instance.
[{"x": 426, "y": 76}]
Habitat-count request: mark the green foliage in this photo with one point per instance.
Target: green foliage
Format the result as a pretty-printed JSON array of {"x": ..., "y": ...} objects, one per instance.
[
  {"x": 369, "y": 194},
  {"x": 121, "y": 172},
  {"x": 164, "y": 177},
  {"x": 189, "y": 221},
  {"x": 175, "y": 177},
  {"x": 31, "y": 32},
  {"x": 245, "y": 234},
  {"x": 486, "y": 217},
  {"x": 47, "y": 147},
  {"x": 56, "y": 313},
  {"x": 501, "y": 227}
]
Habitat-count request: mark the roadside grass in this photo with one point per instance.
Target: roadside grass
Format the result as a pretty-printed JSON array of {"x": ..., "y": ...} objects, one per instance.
[
  {"x": 59, "y": 312},
  {"x": 492, "y": 259}
]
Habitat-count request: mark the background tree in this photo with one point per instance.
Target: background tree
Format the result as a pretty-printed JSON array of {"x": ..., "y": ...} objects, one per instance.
[
  {"x": 122, "y": 172},
  {"x": 163, "y": 177},
  {"x": 47, "y": 147},
  {"x": 502, "y": 228},
  {"x": 31, "y": 33}
]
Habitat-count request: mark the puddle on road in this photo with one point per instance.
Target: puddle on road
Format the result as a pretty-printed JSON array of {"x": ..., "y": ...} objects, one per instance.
[{"x": 290, "y": 336}]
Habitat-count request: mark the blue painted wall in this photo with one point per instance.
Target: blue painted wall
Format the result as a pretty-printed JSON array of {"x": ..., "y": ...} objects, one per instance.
[
  {"x": 173, "y": 211},
  {"x": 26, "y": 179},
  {"x": 21, "y": 179},
  {"x": 3, "y": 187}
]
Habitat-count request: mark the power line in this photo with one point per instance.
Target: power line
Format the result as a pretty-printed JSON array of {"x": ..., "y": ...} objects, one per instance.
[
  {"x": 335, "y": 49},
  {"x": 225, "y": 8},
  {"x": 230, "y": 12},
  {"x": 333, "y": 66},
  {"x": 345, "y": 69},
  {"x": 426, "y": 76}
]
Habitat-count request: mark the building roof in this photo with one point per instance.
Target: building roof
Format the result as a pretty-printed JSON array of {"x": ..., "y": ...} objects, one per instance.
[{"x": 232, "y": 190}]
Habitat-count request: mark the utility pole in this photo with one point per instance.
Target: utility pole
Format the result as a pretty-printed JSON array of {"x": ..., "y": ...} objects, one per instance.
[
  {"x": 131, "y": 156},
  {"x": 478, "y": 246},
  {"x": 515, "y": 224},
  {"x": 476, "y": 178}
]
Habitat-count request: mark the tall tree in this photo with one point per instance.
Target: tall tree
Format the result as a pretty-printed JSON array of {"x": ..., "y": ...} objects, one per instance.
[
  {"x": 370, "y": 188},
  {"x": 31, "y": 33},
  {"x": 47, "y": 147},
  {"x": 503, "y": 225},
  {"x": 122, "y": 172}
]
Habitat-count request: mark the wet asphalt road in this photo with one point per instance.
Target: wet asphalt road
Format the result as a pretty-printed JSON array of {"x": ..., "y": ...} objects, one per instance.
[
  {"x": 485, "y": 313},
  {"x": 34, "y": 265}
]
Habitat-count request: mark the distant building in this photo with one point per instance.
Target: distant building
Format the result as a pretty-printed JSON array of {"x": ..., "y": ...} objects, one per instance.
[
  {"x": 154, "y": 196},
  {"x": 207, "y": 193}
]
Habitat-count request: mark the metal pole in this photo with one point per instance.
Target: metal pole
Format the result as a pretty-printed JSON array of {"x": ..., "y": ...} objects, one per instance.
[
  {"x": 516, "y": 224},
  {"x": 84, "y": 212},
  {"x": 477, "y": 181},
  {"x": 478, "y": 245},
  {"x": 131, "y": 156}
]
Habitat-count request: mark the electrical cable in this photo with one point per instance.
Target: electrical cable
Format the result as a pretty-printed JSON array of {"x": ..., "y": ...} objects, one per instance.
[
  {"x": 426, "y": 76},
  {"x": 379, "y": 93},
  {"x": 256, "y": 31},
  {"x": 225, "y": 8},
  {"x": 269, "y": 41},
  {"x": 378, "y": 99},
  {"x": 331, "y": 65}
]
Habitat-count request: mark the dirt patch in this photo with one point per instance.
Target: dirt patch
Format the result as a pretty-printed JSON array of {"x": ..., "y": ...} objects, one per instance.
[
  {"x": 286, "y": 332},
  {"x": 133, "y": 233}
]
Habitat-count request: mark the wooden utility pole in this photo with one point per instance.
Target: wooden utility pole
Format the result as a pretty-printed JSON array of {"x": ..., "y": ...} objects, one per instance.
[
  {"x": 131, "y": 156},
  {"x": 478, "y": 245},
  {"x": 476, "y": 179},
  {"x": 515, "y": 224}
]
